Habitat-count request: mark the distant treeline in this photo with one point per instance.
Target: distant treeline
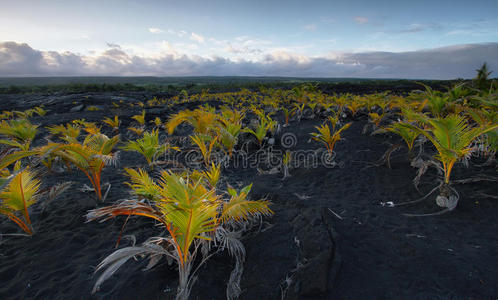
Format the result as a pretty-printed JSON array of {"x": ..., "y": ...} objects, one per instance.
[{"x": 215, "y": 84}]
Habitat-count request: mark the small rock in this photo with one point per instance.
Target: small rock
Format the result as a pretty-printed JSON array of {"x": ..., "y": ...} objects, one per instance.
[{"x": 77, "y": 108}]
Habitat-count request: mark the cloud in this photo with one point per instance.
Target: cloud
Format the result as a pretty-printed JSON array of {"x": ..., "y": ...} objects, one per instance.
[
  {"x": 17, "y": 59},
  {"x": 478, "y": 28},
  {"x": 20, "y": 59},
  {"x": 155, "y": 30},
  {"x": 179, "y": 33},
  {"x": 417, "y": 27},
  {"x": 310, "y": 27},
  {"x": 243, "y": 45},
  {"x": 459, "y": 32},
  {"x": 329, "y": 20},
  {"x": 197, "y": 37},
  {"x": 360, "y": 20},
  {"x": 241, "y": 49}
]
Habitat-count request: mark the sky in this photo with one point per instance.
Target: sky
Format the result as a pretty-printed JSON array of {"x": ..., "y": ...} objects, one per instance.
[{"x": 378, "y": 39}]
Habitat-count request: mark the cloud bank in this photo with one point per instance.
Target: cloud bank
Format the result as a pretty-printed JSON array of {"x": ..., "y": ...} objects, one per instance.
[{"x": 459, "y": 61}]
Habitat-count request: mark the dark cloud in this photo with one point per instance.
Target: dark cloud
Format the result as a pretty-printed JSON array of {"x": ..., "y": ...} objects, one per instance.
[
  {"x": 441, "y": 63},
  {"x": 19, "y": 59},
  {"x": 444, "y": 63}
]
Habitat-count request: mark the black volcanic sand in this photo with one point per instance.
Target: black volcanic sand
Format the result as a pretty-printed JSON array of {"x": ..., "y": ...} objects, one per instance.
[{"x": 369, "y": 252}]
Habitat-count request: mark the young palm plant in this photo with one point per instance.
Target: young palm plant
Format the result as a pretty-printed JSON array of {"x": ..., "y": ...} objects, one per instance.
[
  {"x": 89, "y": 156},
  {"x": 206, "y": 145},
  {"x": 488, "y": 142},
  {"x": 354, "y": 106},
  {"x": 202, "y": 120},
  {"x": 192, "y": 214},
  {"x": 89, "y": 127},
  {"x": 288, "y": 113},
  {"x": 136, "y": 130},
  {"x": 482, "y": 79},
  {"x": 376, "y": 119},
  {"x": 406, "y": 132},
  {"x": 286, "y": 162},
  {"x": 113, "y": 123},
  {"x": 228, "y": 132},
  {"x": 149, "y": 147},
  {"x": 329, "y": 137},
  {"x": 452, "y": 137},
  {"x": 265, "y": 124},
  {"x": 68, "y": 133},
  {"x": 20, "y": 190},
  {"x": 140, "y": 118},
  {"x": 157, "y": 122},
  {"x": 211, "y": 176},
  {"x": 299, "y": 109},
  {"x": 437, "y": 101},
  {"x": 20, "y": 133}
]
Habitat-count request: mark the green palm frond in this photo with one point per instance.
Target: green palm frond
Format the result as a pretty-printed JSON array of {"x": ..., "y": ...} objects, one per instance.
[
  {"x": 201, "y": 119},
  {"x": 177, "y": 119},
  {"x": 212, "y": 174},
  {"x": 206, "y": 145},
  {"x": 113, "y": 123},
  {"x": 68, "y": 133},
  {"x": 20, "y": 130},
  {"x": 376, "y": 118},
  {"x": 189, "y": 207},
  {"x": 13, "y": 143},
  {"x": 452, "y": 137},
  {"x": 148, "y": 146},
  {"x": 228, "y": 136},
  {"x": 39, "y": 111},
  {"x": 142, "y": 184},
  {"x": 19, "y": 194},
  {"x": 90, "y": 156},
  {"x": 327, "y": 137},
  {"x": 16, "y": 156},
  {"x": 91, "y": 128},
  {"x": 483, "y": 116},
  {"x": 265, "y": 124},
  {"x": 140, "y": 118},
  {"x": 238, "y": 208},
  {"x": 405, "y": 132}
]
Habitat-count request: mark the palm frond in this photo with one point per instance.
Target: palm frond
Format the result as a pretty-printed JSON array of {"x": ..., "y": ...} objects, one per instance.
[
  {"x": 116, "y": 259},
  {"x": 405, "y": 132},
  {"x": 129, "y": 207},
  {"x": 238, "y": 208},
  {"x": 142, "y": 184},
  {"x": 452, "y": 137},
  {"x": 19, "y": 194},
  {"x": 113, "y": 123},
  {"x": 212, "y": 174}
]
